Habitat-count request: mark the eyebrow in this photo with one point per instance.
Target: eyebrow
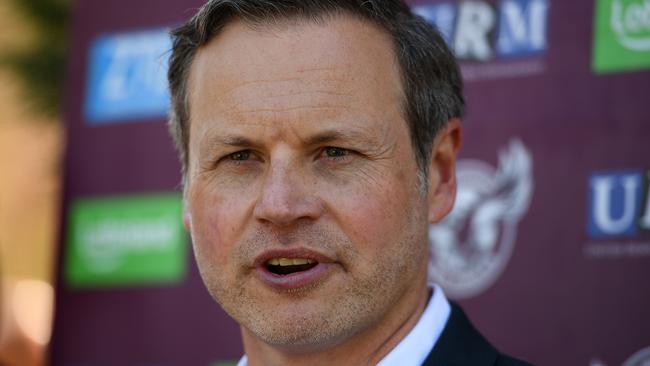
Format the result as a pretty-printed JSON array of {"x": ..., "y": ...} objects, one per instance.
[
  {"x": 325, "y": 137},
  {"x": 337, "y": 135},
  {"x": 320, "y": 138},
  {"x": 236, "y": 140},
  {"x": 209, "y": 144}
]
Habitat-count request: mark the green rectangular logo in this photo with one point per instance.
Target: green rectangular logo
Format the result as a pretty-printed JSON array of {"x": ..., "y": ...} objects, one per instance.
[
  {"x": 126, "y": 240},
  {"x": 621, "y": 35}
]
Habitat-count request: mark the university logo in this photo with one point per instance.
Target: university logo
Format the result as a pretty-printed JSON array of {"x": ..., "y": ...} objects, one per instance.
[
  {"x": 127, "y": 77},
  {"x": 483, "y": 31},
  {"x": 472, "y": 245},
  {"x": 618, "y": 204},
  {"x": 621, "y": 35}
]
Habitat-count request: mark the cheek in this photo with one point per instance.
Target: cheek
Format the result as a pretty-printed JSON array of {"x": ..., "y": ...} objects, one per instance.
[
  {"x": 378, "y": 218},
  {"x": 217, "y": 222}
]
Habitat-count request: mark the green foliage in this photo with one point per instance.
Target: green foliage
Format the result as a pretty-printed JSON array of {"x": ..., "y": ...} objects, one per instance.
[{"x": 41, "y": 66}]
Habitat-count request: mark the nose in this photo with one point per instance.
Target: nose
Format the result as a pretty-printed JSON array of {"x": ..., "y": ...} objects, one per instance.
[{"x": 287, "y": 197}]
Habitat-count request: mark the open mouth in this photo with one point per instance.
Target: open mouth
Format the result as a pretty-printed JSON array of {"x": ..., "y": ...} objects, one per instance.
[{"x": 286, "y": 266}]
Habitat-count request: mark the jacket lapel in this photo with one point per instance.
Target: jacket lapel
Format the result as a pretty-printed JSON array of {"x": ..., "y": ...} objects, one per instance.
[{"x": 460, "y": 344}]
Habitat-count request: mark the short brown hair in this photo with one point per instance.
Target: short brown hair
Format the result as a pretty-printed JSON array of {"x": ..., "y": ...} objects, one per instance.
[{"x": 430, "y": 75}]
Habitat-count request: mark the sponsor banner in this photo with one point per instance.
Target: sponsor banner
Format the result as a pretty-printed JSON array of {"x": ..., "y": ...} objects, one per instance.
[
  {"x": 125, "y": 241},
  {"x": 493, "y": 39},
  {"x": 127, "y": 77},
  {"x": 621, "y": 35},
  {"x": 549, "y": 232},
  {"x": 472, "y": 245}
]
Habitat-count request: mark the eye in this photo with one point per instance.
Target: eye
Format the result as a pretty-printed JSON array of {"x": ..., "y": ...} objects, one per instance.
[
  {"x": 240, "y": 155},
  {"x": 335, "y": 152},
  {"x": 238, "y": 160}
]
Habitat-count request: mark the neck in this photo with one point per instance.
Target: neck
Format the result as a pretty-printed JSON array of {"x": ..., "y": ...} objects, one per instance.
[{"x": 365, "y": 348}]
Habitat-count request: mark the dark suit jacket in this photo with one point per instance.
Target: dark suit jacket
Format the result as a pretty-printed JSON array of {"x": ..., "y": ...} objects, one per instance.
[{"x": 460, "y": 344}]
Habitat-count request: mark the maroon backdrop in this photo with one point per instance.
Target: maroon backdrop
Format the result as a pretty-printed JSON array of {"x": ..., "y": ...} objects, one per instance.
[{"x": 562, "y": 294}]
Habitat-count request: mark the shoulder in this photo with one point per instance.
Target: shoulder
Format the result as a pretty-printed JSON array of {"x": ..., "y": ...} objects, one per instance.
[
  {"x": 460, "y": 344},
  {"x": 504, "y": 360}
]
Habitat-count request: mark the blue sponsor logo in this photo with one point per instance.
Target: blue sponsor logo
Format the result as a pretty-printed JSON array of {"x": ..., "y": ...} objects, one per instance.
[
  {"x": 618, "y": 204},
  {"x": 478, "y": 30},
  {"x": 127, "y": 77}
]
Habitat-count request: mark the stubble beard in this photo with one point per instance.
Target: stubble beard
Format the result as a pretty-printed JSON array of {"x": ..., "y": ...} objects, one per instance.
[{"x": 296, "y": 323}]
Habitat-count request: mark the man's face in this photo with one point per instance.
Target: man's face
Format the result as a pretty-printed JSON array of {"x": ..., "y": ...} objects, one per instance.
[{"x": 302, "y": 195}]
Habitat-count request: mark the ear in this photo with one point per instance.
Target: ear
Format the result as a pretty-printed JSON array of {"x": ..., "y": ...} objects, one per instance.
[
  {"x": 442, "y": 171},
  {"x": 187, "y": 220}
]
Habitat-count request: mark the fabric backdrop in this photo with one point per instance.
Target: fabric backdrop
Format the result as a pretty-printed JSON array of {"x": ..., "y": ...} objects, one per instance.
[{"x": 548, "y": 246}]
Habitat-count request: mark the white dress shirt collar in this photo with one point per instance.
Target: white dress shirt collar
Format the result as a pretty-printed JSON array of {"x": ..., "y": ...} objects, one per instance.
[{"x": 416, "y": 346}]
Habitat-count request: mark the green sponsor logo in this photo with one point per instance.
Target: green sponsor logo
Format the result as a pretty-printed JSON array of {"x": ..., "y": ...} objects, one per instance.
[
  {"x": 125, "y": 241},
  {"x": 622, "y": 35}
]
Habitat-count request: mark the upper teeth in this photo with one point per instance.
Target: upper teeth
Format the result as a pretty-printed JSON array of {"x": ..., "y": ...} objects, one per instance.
[{"x": 290, "y": 261}]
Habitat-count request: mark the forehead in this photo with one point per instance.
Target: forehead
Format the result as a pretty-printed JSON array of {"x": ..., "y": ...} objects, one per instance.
[{"x": 340, "y": 65}]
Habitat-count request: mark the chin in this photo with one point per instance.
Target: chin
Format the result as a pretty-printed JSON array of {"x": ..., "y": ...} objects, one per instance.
[{"x": 300, "y": 331}]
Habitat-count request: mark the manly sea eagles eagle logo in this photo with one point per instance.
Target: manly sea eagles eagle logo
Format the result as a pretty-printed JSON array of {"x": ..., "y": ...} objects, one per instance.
[
  {"x": 472, "y": 245},
  {"x": 641, "y": 358}
]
